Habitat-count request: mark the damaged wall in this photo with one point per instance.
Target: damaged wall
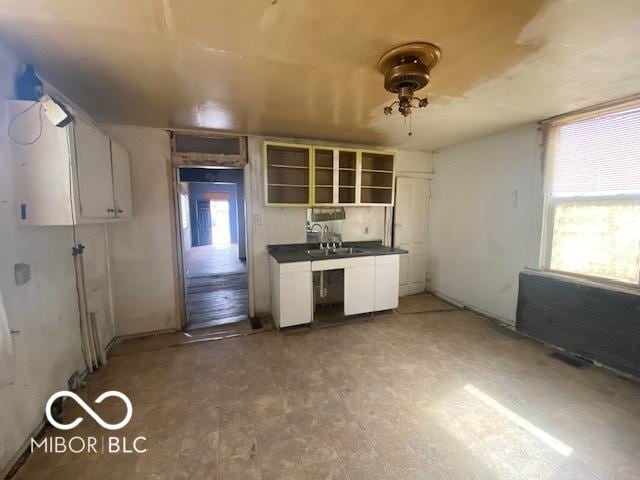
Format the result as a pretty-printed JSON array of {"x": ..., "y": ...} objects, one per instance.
[
  {"x": 142, "y": 250},
  {"x": 486, "y": 217},
  {"x": 44, "y": 310}
]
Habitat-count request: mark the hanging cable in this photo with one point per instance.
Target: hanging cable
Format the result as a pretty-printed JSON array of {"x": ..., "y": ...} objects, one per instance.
[{"x": 13, "y": 119}]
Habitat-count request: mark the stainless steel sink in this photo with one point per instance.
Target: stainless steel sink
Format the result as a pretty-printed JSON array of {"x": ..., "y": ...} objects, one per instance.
[
  {"x": 318, "y": 253},
  {"x": 328, "y": 252},
  {"x": 347, "y": 251}
]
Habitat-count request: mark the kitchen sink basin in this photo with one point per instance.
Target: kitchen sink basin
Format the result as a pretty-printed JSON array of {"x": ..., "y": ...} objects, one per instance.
[
  {"x": 318, "y": 252},
  {"x": 326, "y": 253},
  {"x": 347, "y": 251}
]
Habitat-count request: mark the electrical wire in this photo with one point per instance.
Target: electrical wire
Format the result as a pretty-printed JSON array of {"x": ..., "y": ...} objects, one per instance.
[{"x": 13, "y": 119}]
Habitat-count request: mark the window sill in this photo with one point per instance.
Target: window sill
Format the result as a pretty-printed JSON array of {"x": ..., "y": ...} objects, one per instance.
[{"x": 588, "y": 281}]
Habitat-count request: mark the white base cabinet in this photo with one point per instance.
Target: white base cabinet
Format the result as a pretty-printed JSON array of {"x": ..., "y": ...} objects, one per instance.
[
  {"x": 370, "y": 285},
  {"x": 291, "y": 293},
  {"x": 359, "y": 288},
  {"x": 387, "y": 284}
]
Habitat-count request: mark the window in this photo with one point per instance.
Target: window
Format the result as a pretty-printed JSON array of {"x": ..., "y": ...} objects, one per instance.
[{"x": 592, "y": 195}]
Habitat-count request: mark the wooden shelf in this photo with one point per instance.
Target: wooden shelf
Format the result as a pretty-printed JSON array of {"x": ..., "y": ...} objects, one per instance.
[
  {"x": 288, "y": 166},
  {"x": 367, "y": 170},
  {"x": 346, "y": 186},
  {"x": 287, "y": 185},
  {"x": 324, "y": 186},
  {"x": 347, "y": 169},
  {"x": 324, "y": 168},
  {"x": 374, "y": 186}
]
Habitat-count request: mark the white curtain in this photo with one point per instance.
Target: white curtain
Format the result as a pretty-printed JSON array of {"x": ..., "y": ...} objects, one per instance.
[{"x": 7, "y": 361}]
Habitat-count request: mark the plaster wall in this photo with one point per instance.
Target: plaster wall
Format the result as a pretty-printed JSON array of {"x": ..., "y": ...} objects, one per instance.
[
  {"x": 486, "y": 218},
  {"x": 143, "y": 250},
  {"x": 47, "y": 351}
]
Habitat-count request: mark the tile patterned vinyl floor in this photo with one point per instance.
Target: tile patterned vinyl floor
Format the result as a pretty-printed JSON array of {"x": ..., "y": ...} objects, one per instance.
[{"x": 442, "y": 395}]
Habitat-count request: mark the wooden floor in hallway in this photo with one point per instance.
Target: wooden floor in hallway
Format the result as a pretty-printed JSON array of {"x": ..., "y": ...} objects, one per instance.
[
  {"x": 217, "y": 299},
  {"x": 217, "y": 285}
]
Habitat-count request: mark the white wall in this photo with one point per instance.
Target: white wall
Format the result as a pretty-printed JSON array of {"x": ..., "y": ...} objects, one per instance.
[
  {"x": 142, "y": 250},
  {"x": 45, "y": 310},
  {"x": 486, "y": 215}
]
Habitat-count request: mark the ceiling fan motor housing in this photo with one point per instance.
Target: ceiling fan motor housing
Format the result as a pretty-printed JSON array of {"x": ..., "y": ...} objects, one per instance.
[
  {"x": 406, "y": 77},
  {"x": 406, "y": 68}
]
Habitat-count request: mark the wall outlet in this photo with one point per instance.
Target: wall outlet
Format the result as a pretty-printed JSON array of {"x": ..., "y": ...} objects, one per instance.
[
  {"x": 366, "y": 230},
  {"x": 257, "y": 219}
]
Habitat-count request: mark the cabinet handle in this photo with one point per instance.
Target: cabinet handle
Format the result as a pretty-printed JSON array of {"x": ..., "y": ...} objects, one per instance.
[
  {"x": 110, "y": 210},
  {"x": 120, "y": 210}
]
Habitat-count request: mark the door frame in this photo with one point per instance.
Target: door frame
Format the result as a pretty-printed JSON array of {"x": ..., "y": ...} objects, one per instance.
[{"x": 179, "y": 260}]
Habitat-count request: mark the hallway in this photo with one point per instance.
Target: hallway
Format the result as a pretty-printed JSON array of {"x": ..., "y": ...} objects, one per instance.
[
  {"x": 217, "y": 289},
  {"x": 213, "y": 260}
]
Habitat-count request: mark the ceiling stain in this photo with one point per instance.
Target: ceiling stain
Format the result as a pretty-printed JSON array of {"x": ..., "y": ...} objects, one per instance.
[{"x": 308, "y": 69}]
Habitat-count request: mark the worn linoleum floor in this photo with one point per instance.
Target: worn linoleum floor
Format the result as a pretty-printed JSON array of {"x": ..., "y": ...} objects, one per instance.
[{"x": 441, "y": 395}]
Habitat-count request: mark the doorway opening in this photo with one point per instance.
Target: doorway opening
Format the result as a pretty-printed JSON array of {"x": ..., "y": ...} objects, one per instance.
[{"x": 212, "y": 210}]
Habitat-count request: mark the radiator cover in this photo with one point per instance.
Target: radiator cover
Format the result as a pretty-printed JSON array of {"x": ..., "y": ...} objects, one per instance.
[{"x": 597, "y": 323}]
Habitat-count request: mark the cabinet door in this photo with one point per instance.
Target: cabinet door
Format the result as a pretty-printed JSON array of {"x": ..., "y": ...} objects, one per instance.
[
  {"x": 295, "y": 298},
  {"x": 387, "y": 285},
  {"x": 359, "y": 289},
  {"x": 121, "y": 181},
  {"x": 93, "y": 162}
]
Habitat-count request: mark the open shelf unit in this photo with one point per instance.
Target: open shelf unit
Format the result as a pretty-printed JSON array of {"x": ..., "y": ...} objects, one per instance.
[
  {"x": 323, "y": 176},
  {"x": 287, "y": 179},
  {"x": 303, "y": 175},
  {"x": 347, "y": 176},
  {"x": 376, "y": 178}
]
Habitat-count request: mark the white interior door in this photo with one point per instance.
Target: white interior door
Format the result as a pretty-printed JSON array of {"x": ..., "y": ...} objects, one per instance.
[{"x": 410, "y": 232}]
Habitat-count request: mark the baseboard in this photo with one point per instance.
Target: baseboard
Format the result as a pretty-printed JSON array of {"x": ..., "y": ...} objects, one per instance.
[{"x": 478, "y": 311}]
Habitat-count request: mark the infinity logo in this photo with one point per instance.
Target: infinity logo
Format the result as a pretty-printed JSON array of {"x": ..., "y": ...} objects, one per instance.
[{"x": 89, "y": 410}]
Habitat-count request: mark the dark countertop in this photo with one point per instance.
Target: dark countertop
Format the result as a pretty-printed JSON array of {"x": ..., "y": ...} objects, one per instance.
[{"x": 297, "y": 252}]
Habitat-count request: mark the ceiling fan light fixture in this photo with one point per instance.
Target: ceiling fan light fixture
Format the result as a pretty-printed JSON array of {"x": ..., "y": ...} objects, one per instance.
[{"x": 407, "y": 69}]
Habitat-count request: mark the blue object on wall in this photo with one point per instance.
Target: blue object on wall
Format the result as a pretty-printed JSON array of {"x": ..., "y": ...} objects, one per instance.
[{"x": 28, "y": 85}]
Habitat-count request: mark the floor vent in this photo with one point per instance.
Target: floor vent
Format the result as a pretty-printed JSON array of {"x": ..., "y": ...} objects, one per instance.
[{"x": 575, "y": 362}]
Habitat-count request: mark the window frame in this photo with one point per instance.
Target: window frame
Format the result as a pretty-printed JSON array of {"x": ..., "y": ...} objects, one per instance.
[{"x": 550, "y": 203}]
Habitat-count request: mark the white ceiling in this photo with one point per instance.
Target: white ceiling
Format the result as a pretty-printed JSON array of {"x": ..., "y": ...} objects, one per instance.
[{"x": 305, "y": 68}]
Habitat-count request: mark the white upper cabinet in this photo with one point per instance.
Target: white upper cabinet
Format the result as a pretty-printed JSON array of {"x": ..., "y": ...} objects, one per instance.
[
  {"x": 93, "y": 162},
  {"x": 66, "y": 176},
  {"x": 121, "y": 181}
]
